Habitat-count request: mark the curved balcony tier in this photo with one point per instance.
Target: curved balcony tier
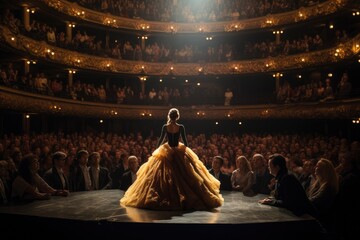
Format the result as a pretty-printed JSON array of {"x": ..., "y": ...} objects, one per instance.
[
  {"x": 26, "y": 102},
  {"x": 42, "y": 50},
  {"x": 273, "y": 20}
]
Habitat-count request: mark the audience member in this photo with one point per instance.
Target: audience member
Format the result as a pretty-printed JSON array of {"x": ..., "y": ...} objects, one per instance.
[
  {"x": 121, "y": 168},
  {"x": 307, "y": 177},
  {"x": 55, "y": 176},
  {"x": 225, "y": 183},
  {"x": 262, "y": 175},
  {"x": 28, "y": 185},
  {"x": 243, "y": 178},
  {"x": 130, "y": 176},
  {"x": 288, "y": 193},
  {"x": 100, "y": 176},
  {"x": 323, "y": 191},
  {"x": 79, "y": 176}
]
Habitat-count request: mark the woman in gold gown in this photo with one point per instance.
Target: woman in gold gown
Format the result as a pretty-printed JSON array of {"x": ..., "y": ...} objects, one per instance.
[{"x": 173, "y": 178}]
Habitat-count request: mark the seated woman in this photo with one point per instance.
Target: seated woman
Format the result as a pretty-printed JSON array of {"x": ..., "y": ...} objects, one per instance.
[
  {"x": 173, "y": 178},
  {"x": 28, "y": 185},
  {"x": 242, "y": 178},
  {"x": 323, "y": 191}
]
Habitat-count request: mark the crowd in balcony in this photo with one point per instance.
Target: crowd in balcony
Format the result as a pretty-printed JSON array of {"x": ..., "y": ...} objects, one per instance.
[
  {"x": 315, "y": 91},
  {"x": 161, "y": 50},
  {"x": 157, "y": 52},
  {"x": 329, "y": 89},
  {"x": 39, "y": 83},
  {"x": 194, "y": 11}
]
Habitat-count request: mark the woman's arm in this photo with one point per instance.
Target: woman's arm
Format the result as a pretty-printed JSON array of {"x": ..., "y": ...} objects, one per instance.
[
  {"x": 162, "y": 136},
  {"x": 46, "y": 188},
  {"x": 23, "y": 190},
  {"x": 43, "y": 186},
  {"x": 183, "y": 134},
  {"x": 234, "y": 185},
  {"x": 249, "y": 183}
]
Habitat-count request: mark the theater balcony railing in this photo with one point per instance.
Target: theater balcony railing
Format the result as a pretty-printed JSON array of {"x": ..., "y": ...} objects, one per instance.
[
  {"x": 26, "y": 102},
  {"x": 41, "y": 50},
  {"x": 272, "y": 20}
]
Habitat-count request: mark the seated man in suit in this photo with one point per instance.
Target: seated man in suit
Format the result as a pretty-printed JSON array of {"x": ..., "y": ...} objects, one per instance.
[
  {"x": 130, "y": 176},
  {"x": 55, "y": 176},
  {"x": 100, "y": 176},
  {"x": 289, "y": 193},
  {"x": 225, "y": 183}
]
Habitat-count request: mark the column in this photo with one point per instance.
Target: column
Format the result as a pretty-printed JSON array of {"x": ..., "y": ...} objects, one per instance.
[
  {"x": 70, "y": 78},
  {"x": 277, "y": 82},
  {"x": 143, "y": 38},
  {"x": 277, "y": 40},
  {"x": 26, "y": 66},
  {"x": 142, "y": 82},
  {"x": 107, "y": 41},
  {"x": 68, "y": 31},
  {"x": 26, "y": 123},
  {"x": 26, "y": 17},
  {"x": 277, "y": 36}
]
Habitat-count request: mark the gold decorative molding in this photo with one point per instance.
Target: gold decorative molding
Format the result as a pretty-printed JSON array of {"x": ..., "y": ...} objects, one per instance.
[
  {"x": 272, "y": 20},
  {"x": 34, "y": 103},
  {"x": 72, "y": 59}
]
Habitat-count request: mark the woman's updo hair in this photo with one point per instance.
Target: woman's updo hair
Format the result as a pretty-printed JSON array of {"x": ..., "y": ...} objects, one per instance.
[{"x": 173, "y": 115}]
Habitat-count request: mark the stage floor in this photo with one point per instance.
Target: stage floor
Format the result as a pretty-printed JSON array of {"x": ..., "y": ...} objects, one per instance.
[{"x": 100, "y": 210}]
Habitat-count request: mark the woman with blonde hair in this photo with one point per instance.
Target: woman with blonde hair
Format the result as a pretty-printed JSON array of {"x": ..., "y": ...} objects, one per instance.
[
  {"x": 323, "y": 191},
  {"x": 243, "y": 178}
]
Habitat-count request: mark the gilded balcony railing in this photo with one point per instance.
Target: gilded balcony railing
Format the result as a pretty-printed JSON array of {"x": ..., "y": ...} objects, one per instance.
[
  {"x": 272, "y": 20},
  {"x": 36, "y": 49},
  {"x": 35, "y": 103}
]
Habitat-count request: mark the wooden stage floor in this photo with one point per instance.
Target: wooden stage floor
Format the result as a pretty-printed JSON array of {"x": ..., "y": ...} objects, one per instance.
[{"x": 98, "y": 213}]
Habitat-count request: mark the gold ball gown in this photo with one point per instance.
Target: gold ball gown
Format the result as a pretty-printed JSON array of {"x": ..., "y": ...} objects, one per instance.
[{"x": 173, "y": 178}]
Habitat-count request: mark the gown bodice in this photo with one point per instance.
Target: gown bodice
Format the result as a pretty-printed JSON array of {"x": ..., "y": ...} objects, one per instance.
[{"x": 173, "y": 138}]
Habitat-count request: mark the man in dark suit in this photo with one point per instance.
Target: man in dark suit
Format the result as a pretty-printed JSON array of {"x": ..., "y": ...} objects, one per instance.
[
  {"x": 55, "y": 176},
  {"x": 225, "y": 183},
  {"x": 289, "y": 192},
  {"x": 130, "y": 176},
  {"x": 79, "y": 176},
  {"x": 100, "y": 176}
]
